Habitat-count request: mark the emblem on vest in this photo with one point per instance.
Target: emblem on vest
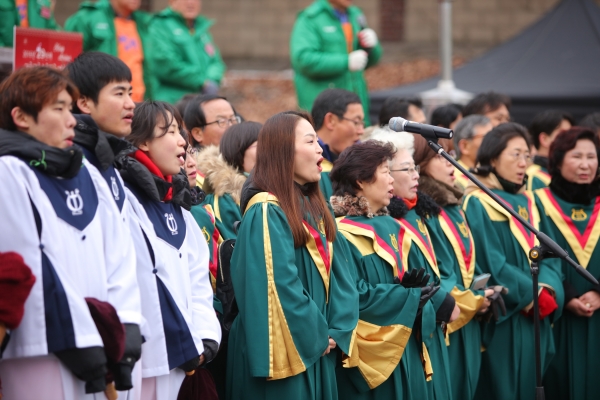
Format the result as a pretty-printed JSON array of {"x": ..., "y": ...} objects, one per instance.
[
  {"x": 462, "y": 227},
  {"x": 422, "y": 227},
  {"x": 394, "y": 241},
  {"x": 171, "y": 223},
  {"x": 114, "y": 187},
  {"x": 523, "y": 212},
  {"x": 578, "y": 215},
  {"x": 74, "y": 202},
  {"x": 206, "y": 235}
]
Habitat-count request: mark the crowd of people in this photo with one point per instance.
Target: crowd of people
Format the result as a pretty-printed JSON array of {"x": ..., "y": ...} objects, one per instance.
[
  {"x": 171, "y": 53},
  {"x": 169, "y": 249}
]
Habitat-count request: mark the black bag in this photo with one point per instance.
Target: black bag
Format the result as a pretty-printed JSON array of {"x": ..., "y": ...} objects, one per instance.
[{"x": 224, "y": 288}]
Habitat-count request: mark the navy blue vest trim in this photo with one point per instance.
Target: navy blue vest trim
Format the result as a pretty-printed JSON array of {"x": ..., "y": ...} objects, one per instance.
[
  {"x": 167, "y": 218},
  {"x": 60, "y": 334},
  {"x": 180, "y": 344},
  {"x": 110, "y": 176},
  {"x": 74, "y": 200}
]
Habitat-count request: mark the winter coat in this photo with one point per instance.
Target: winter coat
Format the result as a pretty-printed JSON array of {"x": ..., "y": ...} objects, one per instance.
[
  {"x": 38, "y": 12},
  {"x": 319, "y": 55},
  {"x": 95, "y": 21},
  {"x": 184, "y": 60}
]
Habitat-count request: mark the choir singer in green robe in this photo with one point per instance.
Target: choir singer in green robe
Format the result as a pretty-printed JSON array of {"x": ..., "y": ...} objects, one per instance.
[
  {"x": 502, "y": 245},
  {"x": 388, "y": 334},
  {"x": 298, "y": 305},
  {"x": 569, "y": 211}
]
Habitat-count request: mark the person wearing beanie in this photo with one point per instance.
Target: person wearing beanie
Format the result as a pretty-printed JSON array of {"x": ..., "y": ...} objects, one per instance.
[{"x": 502, "y": 245}]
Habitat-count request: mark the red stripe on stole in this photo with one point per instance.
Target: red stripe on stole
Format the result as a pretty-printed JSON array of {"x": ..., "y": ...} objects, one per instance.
[
  {"x": 427, "y": 246},
  {"x": 382, "y": 242},
  {"x": 466, "y": 257},
  {"x": 582, "y": 239},
  {"x": 529, "y": 236},
  {"x": 320, "y": 247},
  {"x": 215, "y": 253}
]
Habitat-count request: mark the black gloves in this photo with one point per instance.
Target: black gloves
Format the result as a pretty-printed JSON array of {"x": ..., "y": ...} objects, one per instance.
[
  {"x": 190, "y": 365},
  {"x": 415, "y": 278},
  {"x": 87, "y": 364},
  {"x": 496, "y": 304},
  {"x": 133, "y": 351},
  {"x": 427, "y": 293}
]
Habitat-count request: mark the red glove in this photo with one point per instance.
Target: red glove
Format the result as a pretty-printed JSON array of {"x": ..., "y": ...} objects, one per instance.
[
  {"x": 16, "y": 281},
  {"x": 547, "y": 304}
]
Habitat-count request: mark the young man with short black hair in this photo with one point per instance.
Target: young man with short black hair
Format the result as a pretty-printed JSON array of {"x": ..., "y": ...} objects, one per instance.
[
  {"x": 339, "y": 120},
  {"x": 104, "y": 112}
]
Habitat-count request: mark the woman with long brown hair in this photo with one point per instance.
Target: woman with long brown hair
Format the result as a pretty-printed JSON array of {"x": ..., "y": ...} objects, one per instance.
[{"x": 296, "y": 298}]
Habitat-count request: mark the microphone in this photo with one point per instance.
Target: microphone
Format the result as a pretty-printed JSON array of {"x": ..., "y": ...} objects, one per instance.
[{"x": 399, "y": 124}]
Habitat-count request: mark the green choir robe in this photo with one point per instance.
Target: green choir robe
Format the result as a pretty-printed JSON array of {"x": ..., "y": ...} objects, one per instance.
[
  {"x": 390, "y": 364},
  {"x": 455, "y": 251},
  {"x": 538, "y": 177},
  {"x": 421, "y": 254},
  {"x": 291, "y": 300},
  {"x": 576, "y": 228},
  {"x": 502, "y": 245},
  {"x": 226, "y": 211},
  {"x": 325, "y": 181}
]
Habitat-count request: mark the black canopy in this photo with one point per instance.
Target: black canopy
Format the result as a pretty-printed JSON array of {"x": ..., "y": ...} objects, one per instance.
[{"x": 554, "y": 63}]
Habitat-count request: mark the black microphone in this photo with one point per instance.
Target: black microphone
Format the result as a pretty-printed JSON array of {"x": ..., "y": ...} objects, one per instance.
[{"x": 399, "y": 124}]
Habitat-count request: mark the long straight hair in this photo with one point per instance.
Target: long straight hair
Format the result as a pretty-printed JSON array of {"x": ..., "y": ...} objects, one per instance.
[{"x": 274, "y": 172}]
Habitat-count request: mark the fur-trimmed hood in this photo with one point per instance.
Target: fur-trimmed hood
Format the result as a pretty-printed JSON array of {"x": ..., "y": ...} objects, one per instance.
[
  {"x": 425, "y": 207},
  {"x": 441, "y": 193},
  {"x": 353, "y": 206},
  {"x": 220, "y": 177}
]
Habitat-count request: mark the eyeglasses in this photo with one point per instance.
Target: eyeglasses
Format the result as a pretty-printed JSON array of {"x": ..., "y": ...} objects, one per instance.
[
  {"x": 225, "y": 122},
  {"x": 412, "y": 171},
  {"x": 357, "y": 124},
  {"x": 518, "y": 156},
  {"x": 192, "y": 151}
]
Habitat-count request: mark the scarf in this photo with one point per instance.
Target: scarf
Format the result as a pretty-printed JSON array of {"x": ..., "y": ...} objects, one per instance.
[{"x": 63, "y": 163}]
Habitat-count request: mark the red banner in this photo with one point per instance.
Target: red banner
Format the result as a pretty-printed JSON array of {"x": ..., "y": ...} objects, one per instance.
[{"x": 45, "y": 47}]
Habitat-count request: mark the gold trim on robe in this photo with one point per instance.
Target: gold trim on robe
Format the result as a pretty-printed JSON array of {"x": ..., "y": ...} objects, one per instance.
[{"x": 284, "y": 358}]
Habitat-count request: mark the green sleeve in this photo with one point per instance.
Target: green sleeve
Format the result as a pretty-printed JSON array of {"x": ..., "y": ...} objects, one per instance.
[
  {"x": 342, "y": 307},
  {"x": 375, "y": 54},
  {"x": 167, "y": 63},
  {"x": 216, "y": 67},
  {"x": 307, "y": 54},
  {"x": 283, "y": 326},
  {"x": 9, "y": 18},
  {"x": 491, "y": 258},
  {"x": 383, "y": 302},
  {"x": 78, "y": 22},
  {"x": 551, "y": 273}
]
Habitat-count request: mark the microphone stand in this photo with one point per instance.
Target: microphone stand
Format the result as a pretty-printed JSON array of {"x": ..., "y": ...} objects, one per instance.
[{"x": 547, "y": 248}]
